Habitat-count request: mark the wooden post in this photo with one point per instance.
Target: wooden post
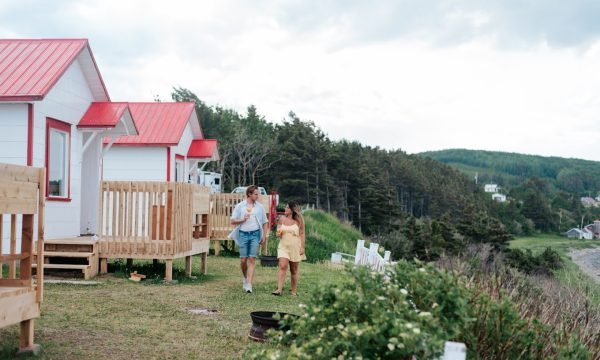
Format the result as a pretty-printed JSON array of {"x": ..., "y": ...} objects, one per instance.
[
  {"x": 26, "y": 345},
  {"x": 169, "y": 270},
  {"x": 12, "y": 265},
  {"x": 203, "y": 263},
  {"x": 103, "y": 266},
  {"x": 188, "y": 266}
]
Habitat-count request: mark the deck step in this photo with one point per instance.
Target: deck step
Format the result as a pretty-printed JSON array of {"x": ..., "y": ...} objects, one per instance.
[
  {"x": 67, "y": 254},
  {"x": 63, "y": 266}
]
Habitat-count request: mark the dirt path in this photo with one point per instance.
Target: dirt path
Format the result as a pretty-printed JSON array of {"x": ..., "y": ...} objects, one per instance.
[{"x": 588, "y": 261}]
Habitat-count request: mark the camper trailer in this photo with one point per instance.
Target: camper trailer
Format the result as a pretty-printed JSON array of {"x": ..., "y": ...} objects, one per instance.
[{"x": 210, "y": 179}]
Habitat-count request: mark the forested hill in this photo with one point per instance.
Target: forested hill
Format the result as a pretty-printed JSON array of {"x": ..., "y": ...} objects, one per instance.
[
  {"x": 375, "y": 189},
  {"x": 580, "y": 177}
]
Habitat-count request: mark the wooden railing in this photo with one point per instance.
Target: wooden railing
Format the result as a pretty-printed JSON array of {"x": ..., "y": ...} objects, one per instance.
[
  {"x": 22, "y": 195},
  {"x": 155, "y": 220}
]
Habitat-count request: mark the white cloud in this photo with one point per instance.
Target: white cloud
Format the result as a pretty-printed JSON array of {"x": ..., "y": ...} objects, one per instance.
[{"x": 439, "y": 75}]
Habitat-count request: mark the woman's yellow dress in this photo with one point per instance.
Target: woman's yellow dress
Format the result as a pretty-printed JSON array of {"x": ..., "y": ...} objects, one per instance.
[{"x": 290, "y": 243}]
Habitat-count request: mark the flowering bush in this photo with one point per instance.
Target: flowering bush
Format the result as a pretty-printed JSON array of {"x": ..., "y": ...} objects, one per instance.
[
  {"x": 374, "y": 316},
  {"x": 411, "y": 310}
]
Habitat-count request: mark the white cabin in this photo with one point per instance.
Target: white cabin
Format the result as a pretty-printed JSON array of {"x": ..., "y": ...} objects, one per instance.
[
  {"x": 47, "y": 91},
  {"x": 169, "y": 146}
]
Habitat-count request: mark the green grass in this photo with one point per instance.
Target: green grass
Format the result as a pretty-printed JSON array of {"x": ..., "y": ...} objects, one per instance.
[
  {"x": 120, "y": 319},
  {"x": 325, "y": 235},
  {"x": 571, "y": 275}
]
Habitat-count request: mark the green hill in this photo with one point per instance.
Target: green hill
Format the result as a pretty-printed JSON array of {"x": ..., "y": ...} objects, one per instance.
[{"x": 581, "y": 177}]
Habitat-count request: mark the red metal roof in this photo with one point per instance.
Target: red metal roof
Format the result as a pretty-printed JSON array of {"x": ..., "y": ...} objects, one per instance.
[
  {"x": 204, "y": 148},
  {"x": 30, "y": 67},
  {"x": 158, "y": 123},
  {"x": 102, "y": 115}
]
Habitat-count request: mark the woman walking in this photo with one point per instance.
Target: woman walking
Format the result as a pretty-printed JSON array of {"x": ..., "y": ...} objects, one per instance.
[{"x": 291, "y": 233}]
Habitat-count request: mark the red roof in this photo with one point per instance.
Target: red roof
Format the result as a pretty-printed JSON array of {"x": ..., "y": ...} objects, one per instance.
[
  {"x": 102, "y": 115},
  {"x": 30, "y": 67},
  {"x": 204, "y": 148},
  {"x": 158, "y": 123}
]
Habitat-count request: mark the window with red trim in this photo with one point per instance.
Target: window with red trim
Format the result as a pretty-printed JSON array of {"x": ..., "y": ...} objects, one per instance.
[{"x": 58, "y": 160}]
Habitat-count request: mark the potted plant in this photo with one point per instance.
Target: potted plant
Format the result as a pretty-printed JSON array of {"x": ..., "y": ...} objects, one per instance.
[{"x": 270, "y": 259}]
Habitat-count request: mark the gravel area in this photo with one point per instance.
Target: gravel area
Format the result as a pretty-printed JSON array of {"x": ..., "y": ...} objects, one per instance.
[{"x": 589, "y": 261}]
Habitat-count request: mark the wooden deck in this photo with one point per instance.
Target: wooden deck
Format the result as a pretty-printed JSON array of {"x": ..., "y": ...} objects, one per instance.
[
  {"x": 153, "y": 220},
  {"x": 22, "y": 195}
]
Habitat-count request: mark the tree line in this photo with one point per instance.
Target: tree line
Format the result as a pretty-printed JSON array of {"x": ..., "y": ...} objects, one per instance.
[{"x": 379, "y": 191}]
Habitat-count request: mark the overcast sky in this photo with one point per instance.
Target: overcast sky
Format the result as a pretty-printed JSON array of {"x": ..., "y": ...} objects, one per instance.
[{"x": 508, "y": 75}]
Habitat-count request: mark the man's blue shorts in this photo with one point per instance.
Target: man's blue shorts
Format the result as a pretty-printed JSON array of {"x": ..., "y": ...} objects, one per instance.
[{"x": 249, "y": 243}]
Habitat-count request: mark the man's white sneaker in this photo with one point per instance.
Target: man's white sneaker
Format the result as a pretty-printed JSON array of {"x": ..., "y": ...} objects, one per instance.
[{"x": 249, "y": 288}]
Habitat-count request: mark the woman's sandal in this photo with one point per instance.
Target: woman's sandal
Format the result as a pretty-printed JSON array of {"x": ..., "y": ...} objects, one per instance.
[
  {"x": 276, "y": 293},
  {"x": 293, "y": 293}
]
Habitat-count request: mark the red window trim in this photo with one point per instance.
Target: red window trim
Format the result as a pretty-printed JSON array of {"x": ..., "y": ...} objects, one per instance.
[
  {"x": 66, "y": 128},
  {"x": 181, "y": 158},
  {"x": 168, "y": 163},
  {"x": 30, "y": 134}
]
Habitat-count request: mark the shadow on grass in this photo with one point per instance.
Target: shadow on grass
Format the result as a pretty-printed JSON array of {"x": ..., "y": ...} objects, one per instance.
[{"x": 154, "y": 271}]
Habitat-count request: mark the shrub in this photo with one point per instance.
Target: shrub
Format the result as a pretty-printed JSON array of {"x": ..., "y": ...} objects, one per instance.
[
  {"x": 411, "y": 310},
  {"x": 528, "y": 263}
]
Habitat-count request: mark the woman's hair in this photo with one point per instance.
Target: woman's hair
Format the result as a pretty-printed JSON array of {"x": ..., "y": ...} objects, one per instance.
[{"x": 296, "y": 214}]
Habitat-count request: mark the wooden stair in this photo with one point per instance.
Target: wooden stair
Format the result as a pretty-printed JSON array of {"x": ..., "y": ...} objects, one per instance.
[{"x": 72, "y": 254}]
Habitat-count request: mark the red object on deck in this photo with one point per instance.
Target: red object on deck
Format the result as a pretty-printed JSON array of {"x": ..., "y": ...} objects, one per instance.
[{"x": 273, "y": 208}]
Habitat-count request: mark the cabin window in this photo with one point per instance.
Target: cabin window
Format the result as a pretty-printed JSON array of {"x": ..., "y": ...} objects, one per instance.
[
  {"x": 58, "y": 146},
  {"x": 179, "y": 168}
]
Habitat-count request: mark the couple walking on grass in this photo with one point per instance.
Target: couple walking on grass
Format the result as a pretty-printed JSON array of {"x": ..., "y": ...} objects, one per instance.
[{"x": 252, "y": 228}]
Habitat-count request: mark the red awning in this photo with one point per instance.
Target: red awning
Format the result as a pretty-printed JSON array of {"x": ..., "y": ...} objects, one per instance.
[
  {"x": 103, "y": 115},
  {"x": 203, "y": 149}
]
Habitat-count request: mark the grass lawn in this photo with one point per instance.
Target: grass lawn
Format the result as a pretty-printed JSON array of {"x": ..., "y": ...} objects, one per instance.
[
  {"x": 570, "y": 275},
  {"x": 120, "y": 319}
]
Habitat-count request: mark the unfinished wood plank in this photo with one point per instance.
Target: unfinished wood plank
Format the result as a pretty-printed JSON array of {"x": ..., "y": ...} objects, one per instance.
[
  {"x": 12, "y": 265},
  {"x": 18, "y": 308},
  {"x": 26, "y": 337},
  {"x": 40, "y": 234},
  {"x": 169, "y": 270},
  {"x": 188, "y": 266},
  {"x": 26, "y": 246},
  {"x": 10, "y": 172}
]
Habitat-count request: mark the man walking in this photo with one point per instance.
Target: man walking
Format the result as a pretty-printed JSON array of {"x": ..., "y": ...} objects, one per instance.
[{"x": 251, "y": 222}]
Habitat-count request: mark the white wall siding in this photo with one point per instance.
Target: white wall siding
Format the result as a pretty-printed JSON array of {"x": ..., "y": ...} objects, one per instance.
[
  {"x": 182, "y": 149},
  {"x": 13, "y": 133},
  {"x": 136, "y": 163},
  {"x": 13, "y": 150},
  {"x": 67, "y": 101}
]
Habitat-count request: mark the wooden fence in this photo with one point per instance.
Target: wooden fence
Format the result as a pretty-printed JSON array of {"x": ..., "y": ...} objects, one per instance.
[
  {"x": 22, "y": 195},
  {"x": 153, "y": 220}
]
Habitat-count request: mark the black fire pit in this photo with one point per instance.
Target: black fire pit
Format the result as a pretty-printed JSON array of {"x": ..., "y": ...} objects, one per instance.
[{"x": 263, "y": 321}]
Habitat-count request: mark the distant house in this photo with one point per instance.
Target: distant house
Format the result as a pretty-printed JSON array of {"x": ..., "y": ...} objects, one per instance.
[
  {"x": 490, "y": 188},
  {"x": 576, "y": 233},
  {"x": 499, "y": 197},
  {"x": 587, "y": 201},
  {"x": 593, "y": 229}
]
